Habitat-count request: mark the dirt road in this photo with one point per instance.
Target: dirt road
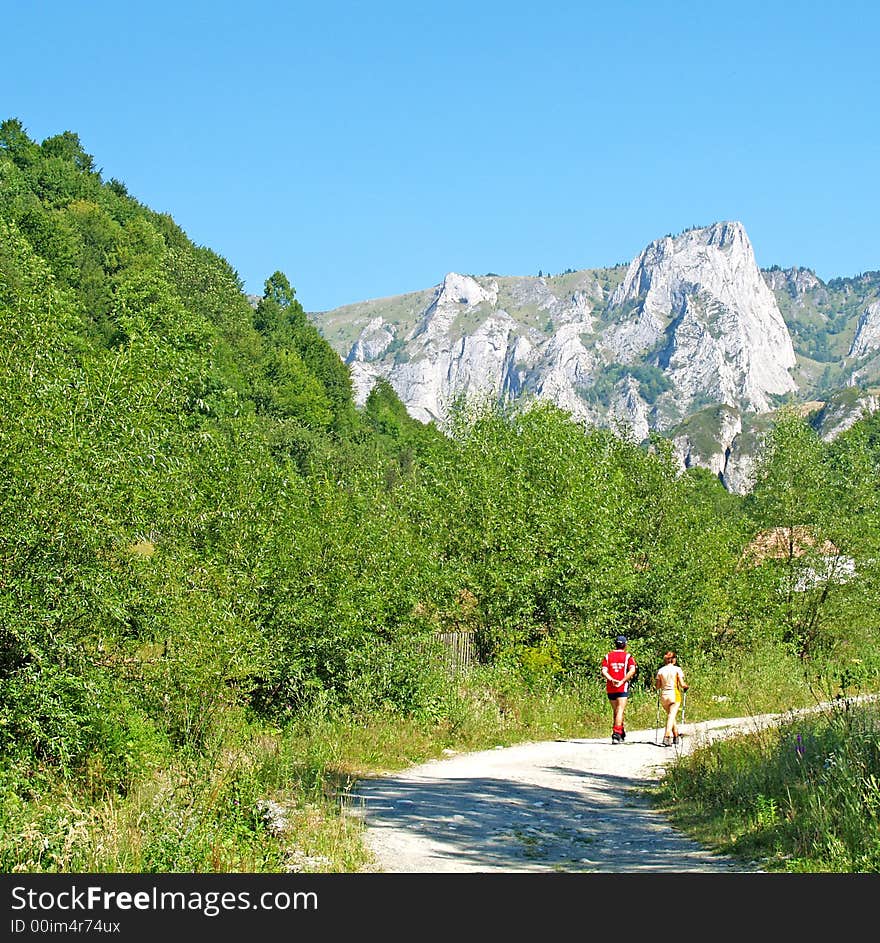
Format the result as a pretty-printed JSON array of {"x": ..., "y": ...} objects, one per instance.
[{"x": 564, "y": 805}]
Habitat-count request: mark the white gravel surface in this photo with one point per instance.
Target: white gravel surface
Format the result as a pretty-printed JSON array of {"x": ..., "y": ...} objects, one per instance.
[{"x": 563, "y": 805}]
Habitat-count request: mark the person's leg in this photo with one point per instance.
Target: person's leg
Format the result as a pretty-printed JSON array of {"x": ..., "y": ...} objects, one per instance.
[
  {"x": 671, "y": 726},
  {"x": 618, "y": 704},
  {"x": 667, "y": 730}
]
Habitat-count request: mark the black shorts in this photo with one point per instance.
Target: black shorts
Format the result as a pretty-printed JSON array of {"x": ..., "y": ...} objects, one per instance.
[{"x": 614, "y": 695}]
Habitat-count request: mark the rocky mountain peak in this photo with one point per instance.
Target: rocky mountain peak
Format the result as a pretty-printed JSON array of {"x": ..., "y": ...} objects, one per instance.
[
  {"x": 681, "y": 259},
  {"x": 690, "y": 328},
  {"x": 455, "y": 293},
  {"x": 796, "y": 281},
  {"x": 702, "y": 297},
  {"x": 463, "y": 290}
]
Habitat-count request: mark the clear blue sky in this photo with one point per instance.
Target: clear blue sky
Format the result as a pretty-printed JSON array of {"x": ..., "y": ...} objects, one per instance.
[{"x": 366, "y": 149}]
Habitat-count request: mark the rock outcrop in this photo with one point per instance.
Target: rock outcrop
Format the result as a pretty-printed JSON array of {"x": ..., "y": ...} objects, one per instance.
[
  {"x": 694, "y": 307},
  {"x": 702, "y": 296},
  {"x": 705, "y": 440},
  {"x": 867, "y": 339},
  {"x": 843, "y": 410},
  {"x": 688, "y": 340}
]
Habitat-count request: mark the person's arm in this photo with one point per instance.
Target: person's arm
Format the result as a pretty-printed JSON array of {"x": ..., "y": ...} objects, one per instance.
[
  {"x": 632, "y": 670},
  {"x": 658, "y": 681},
  {"x": 681, "y": 682}
]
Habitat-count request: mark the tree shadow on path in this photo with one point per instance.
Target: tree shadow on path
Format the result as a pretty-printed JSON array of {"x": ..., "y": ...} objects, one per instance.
[{"x": 570, "y": 819}]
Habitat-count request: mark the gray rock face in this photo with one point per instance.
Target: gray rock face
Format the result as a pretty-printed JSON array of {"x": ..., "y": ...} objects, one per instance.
[
  {"x": 796, "y": 281},
  {"x": 709, "y": 447},
  {"x": 374, "y": 341},
  {"x": 691, "y": 325},
  {"x": 443, "y": 363},
  {"x": 738, "y": 475},
  {"x": 843, "y": 411},
  {"x": 867, "y": 337},
  {"x": 703, "y": 294},
  {"x": 465, "y": 343},
  {"x": 694, "y": 307}
]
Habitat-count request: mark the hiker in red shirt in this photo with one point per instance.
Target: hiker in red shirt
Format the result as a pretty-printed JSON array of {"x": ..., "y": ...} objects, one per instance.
[{"x": 618, "y": 668}]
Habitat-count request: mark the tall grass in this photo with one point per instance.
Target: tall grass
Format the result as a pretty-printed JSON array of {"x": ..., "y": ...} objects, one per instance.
[
  {"x": 258, "y": 799},
  {"x": 803, "y": 796},
  {"x": 263, "y": 806},
  {"x": 253, "y": 798}
]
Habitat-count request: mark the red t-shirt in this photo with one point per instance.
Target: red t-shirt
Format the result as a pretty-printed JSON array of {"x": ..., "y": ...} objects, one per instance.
[{"x": 618, "y": 662}]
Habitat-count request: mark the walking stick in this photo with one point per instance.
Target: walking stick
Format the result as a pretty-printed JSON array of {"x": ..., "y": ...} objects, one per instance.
[{"x": 657, "y": 720}]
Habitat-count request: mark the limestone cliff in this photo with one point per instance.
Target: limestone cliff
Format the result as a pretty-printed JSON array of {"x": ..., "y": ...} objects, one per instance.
[{"x": 688, "y": 340}]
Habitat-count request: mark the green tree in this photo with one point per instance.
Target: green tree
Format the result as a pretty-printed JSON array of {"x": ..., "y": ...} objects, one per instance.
[
  {"x": 15, "y": 142},
  {"x": 804, "y": 513}
]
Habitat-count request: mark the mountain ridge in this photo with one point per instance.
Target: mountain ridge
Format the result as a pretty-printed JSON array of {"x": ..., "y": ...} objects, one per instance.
[{"x": 691, "y": 323}]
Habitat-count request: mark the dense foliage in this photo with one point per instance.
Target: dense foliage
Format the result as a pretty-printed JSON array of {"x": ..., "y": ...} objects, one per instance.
[{"x": 199, "y": 528}]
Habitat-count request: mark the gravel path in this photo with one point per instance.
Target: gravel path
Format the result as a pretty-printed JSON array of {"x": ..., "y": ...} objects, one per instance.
[{"x": 564, "y": 805}]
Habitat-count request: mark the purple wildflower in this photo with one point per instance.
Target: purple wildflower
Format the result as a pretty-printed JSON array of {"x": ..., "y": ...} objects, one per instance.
[{"x": 799, "y": 746}]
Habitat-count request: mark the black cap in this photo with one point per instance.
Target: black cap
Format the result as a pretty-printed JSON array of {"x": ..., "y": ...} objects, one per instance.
[{"x": 620, "y": 641}]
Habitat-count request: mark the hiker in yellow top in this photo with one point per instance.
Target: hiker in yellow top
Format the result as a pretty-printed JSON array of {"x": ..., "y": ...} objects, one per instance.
[{"x": 671, "y": 685}]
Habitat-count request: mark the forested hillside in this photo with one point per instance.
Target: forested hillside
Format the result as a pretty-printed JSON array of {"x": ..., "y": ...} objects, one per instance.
[{"x": 203, "y": 540}]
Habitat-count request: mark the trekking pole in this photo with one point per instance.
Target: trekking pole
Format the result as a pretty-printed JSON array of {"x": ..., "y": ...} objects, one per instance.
[{"x": 657, "y": 719}]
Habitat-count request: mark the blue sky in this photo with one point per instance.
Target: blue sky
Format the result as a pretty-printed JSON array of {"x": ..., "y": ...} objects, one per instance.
[{"x": 366, "y": 149}]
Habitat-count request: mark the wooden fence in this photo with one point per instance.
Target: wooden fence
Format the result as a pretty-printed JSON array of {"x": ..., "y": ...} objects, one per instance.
[{"x": 458, "y": 649}]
